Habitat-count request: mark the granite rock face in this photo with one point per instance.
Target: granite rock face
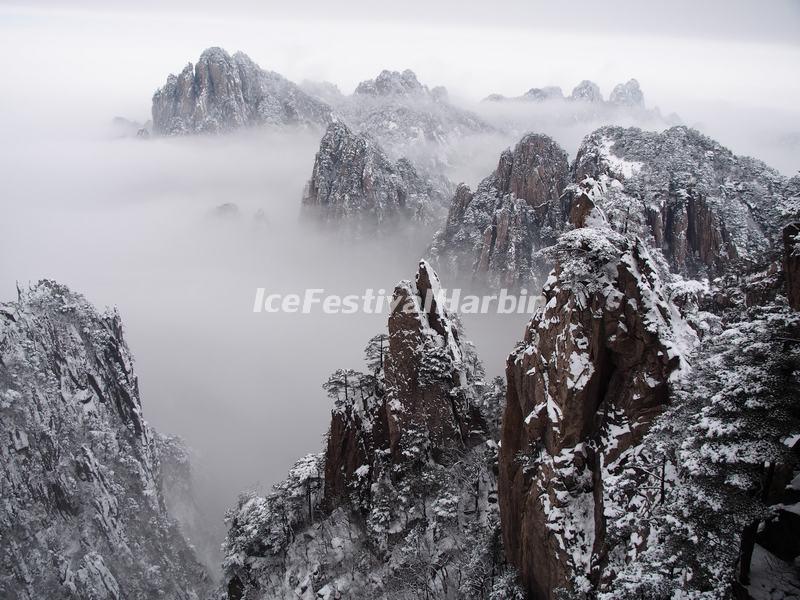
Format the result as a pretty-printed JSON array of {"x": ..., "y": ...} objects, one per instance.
[
  {"x": 589, "y": 378},
  {"x": 84, "y": 512},
  {"x": 424, "y": 389},
  {"x": 491, "y": 234},
  {"x": 427, "y": 363},
  {"x": 791, "y": 263},
  {"x": 354, "y": 183},
  {"x": 406, "y": 480},
  {"x": 703, "y": 207},
  {"x": 686, "y": 196},
  {"x": 223, "y": 93}
]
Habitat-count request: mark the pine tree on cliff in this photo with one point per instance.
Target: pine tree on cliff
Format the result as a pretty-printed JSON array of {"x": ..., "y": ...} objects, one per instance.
[
  {"x": 375, "y": 352},
  {"x": 730, "y": 436},
  {"x": 747, "y": 383}
]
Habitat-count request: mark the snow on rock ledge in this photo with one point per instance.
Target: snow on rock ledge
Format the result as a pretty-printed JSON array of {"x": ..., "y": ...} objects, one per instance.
[
  {"x": 684, "y": 194},
  {"x": 590, "y": 376}
]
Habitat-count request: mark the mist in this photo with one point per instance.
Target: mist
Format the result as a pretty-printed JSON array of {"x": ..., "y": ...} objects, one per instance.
[{"x": 134, "y": 224}]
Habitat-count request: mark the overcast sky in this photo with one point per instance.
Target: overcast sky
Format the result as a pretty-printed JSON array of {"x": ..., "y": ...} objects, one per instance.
[{"x": 740, "y": 20}]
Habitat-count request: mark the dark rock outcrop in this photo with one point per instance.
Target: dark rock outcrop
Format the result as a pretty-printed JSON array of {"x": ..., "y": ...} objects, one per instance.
[
  {"x": 590, "y": 376},
  {"x": 791, "y": 263},
  {"x": 358, "y": 428},
  {"x": 692, "y": 200},
  {"x": 423, "y": 389},
  {"x": 491, "y": 234},
  {"x": 223, "y": 92},
  {"x": 84, "y": 514},
  {"x": 426, "y": 369},
  {"x": 356, "y": 184}
]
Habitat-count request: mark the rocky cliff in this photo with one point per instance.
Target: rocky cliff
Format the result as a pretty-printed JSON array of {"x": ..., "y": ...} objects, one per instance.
[
  {"x": 689, "y": 199},
  {"x": 649, "y": 432},
  {"x": 491, "y": 234},
  {"x": 791, "y": 263},
  {"x": 355, "y": 184},
  {"x": 389, "y": 83},
  {"x": 790, "y": 215},
  {"x": 706, "y": 504},
  {"x": 583, "y": 387},
  {"x": 703, "y": 207},
  {"x": 223, "y": 92},
  {"x": 83, "y": 512},
  {"x": 402, "y": 504}
]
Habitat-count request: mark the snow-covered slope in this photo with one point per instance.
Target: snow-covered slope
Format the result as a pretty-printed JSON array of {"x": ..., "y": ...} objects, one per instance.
[
  {"x": 408, "y": 118},
  {"x": 649, "y": 441},
  {"x": 83, "y": 513},
  {"x": 712, "y": 495}
]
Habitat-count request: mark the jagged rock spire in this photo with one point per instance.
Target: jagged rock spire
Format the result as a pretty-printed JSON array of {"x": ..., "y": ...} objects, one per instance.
[
  {"x": 490, "y": 234},
  {"x": 356, "y": 184},
  {"x": 590, "y": 376}
]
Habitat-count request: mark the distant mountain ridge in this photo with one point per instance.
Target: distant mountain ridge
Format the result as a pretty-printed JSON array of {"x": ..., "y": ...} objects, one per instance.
[
  {"x": 627, "y": 94},
  {"x": 223, "y": 92}
]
